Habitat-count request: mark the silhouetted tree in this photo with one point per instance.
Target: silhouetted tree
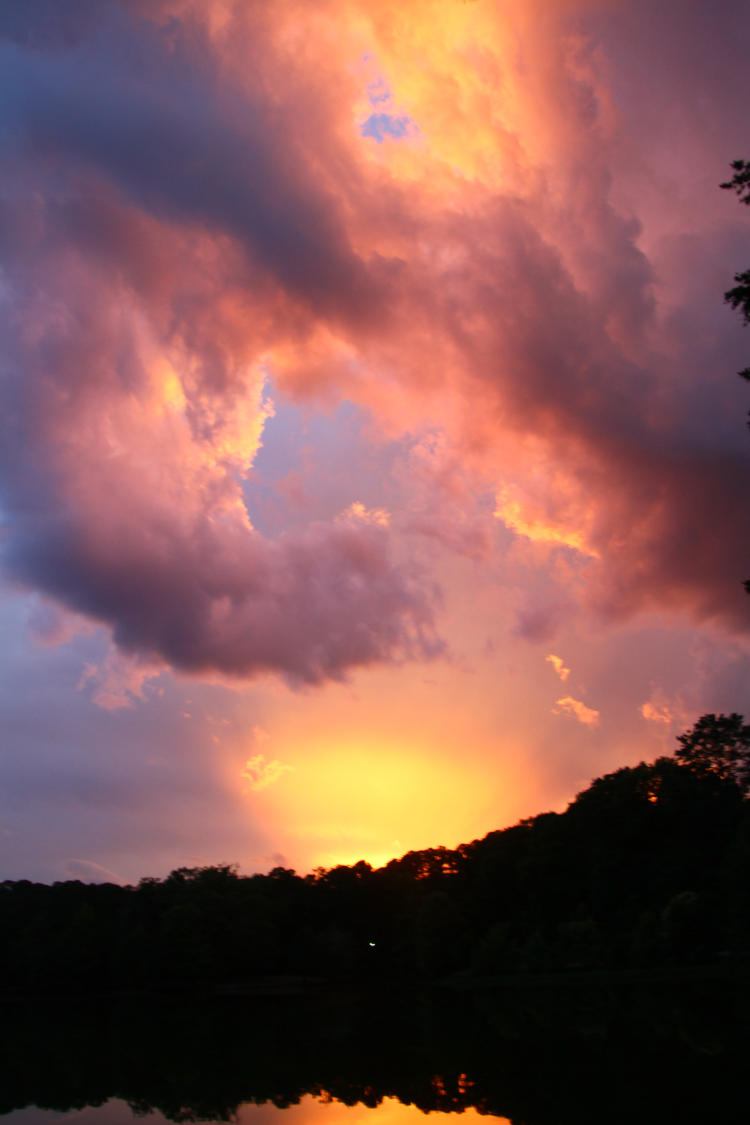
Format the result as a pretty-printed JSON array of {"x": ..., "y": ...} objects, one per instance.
[
  {"x": 686, "y": 926},
  {"x": 739, "y": 296},
  {"x": 718, "y": 745}
]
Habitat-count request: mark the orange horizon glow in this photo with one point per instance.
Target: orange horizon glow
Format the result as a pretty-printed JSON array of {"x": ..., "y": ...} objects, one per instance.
[{"x": 343, "y": 798}]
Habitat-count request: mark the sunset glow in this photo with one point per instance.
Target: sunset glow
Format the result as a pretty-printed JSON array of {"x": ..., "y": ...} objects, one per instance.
[
  {"x": 367, "y": 379},
  {"x": 373, "y": 802}
]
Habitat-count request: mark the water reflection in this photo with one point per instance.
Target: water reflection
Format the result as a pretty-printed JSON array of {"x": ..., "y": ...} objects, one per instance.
[
  {"x": 309, "y": 1111},
  {"x": 622, "y": 1050}
]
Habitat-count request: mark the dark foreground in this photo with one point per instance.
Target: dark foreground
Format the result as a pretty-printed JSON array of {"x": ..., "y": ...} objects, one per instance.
[{"x": 628, "y": 1049}]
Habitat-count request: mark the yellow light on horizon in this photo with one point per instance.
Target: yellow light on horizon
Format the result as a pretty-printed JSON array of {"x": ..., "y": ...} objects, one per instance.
[{"x": 342, "y": 804}]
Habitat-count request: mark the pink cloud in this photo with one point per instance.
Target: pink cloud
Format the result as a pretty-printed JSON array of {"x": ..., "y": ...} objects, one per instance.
[
  {"x": 119, "y": 681},
  {"x": 186, "y": 212}
]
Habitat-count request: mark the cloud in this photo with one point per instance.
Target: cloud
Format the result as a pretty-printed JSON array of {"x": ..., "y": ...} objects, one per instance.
[
  {"x": 50, "y": 626},
  {"x": 656, "y": 713},
  {"x": 519, "y": 516},
  {"x": 118, "y": 681},
  {"x": 137, "y": 387},
  {"x": 577, "y": 710},
  {"x": 357, "y": 513},
  {"x": 540, "y": 620},
  {"x": 559, "y": 666},
  {"x": 259, "y": 774},
  {"x": 187, "y": 215},
  {"x": 441, "y": 496}
]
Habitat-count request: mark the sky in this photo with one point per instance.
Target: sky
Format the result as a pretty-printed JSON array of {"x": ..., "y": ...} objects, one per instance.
[{"x": 372, "y": 457}]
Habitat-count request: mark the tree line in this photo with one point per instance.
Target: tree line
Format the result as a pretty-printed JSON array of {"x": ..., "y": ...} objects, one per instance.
[{"x": 648, "y": 866}]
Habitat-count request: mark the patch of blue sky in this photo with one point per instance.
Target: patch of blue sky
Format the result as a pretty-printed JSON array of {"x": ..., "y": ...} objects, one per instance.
[
  {"x": 313, "y": 464},
  {"x": 382, "y": 125},
  {"x": 378, "y": 92}
]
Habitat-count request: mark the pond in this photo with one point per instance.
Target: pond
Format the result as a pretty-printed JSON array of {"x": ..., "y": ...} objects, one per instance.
[
  {"x": 625, "y": 1050},
  {"x": 309, "y": 1111}
]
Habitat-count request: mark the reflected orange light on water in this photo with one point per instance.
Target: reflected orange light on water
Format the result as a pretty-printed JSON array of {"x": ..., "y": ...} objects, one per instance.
[{"x": 314, "y": 1111}]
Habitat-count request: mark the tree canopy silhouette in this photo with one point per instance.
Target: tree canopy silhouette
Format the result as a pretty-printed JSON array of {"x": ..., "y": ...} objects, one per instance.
[
  {"x": 718, "y": 745},
  {"x": 739, "y": 295}
]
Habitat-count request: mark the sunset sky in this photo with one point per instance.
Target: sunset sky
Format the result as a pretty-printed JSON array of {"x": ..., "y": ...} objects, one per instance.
[{"x": 373, "y": 463}]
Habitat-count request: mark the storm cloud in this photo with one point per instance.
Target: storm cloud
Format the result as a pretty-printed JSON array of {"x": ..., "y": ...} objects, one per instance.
[{"x": 191, "y": 213}]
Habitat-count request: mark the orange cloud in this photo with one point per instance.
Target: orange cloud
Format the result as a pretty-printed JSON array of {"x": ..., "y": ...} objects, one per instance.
[
  {"x": 559, "y": 666},
  {"x": 259, "y": 773},
  {"x": 577, "y": 710},
  {"x": 656, "y": 713}
]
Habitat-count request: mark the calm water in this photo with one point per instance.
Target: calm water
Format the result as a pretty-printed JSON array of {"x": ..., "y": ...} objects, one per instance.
[
  {"x": 310, "y": 1111},
  {"x": 624, "y": 1052}
]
